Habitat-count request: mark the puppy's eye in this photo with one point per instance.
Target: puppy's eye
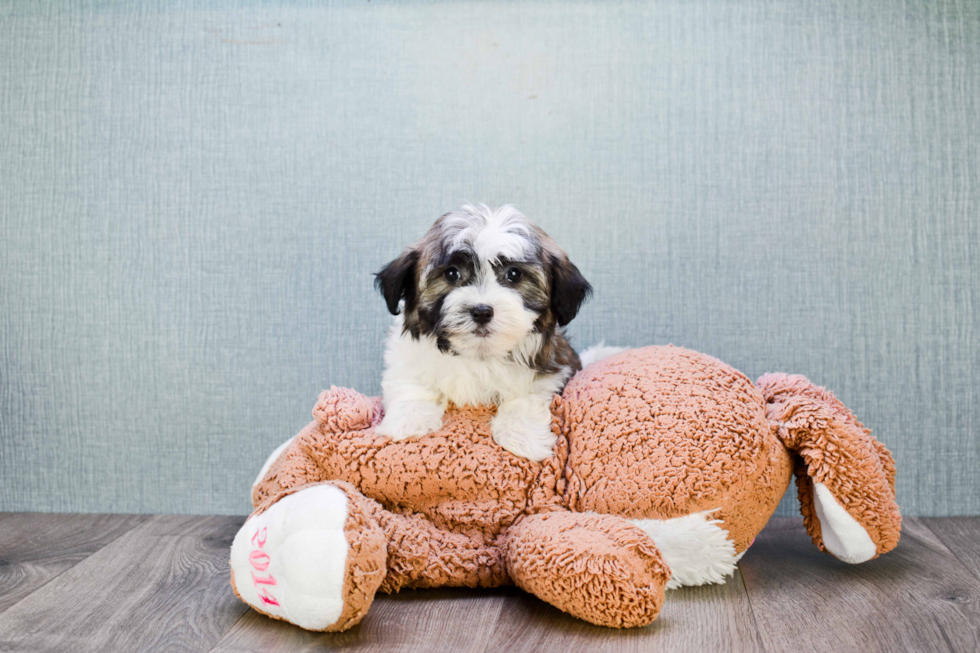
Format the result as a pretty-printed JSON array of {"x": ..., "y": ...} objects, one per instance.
[
  {"x": 513, "y": 275},
  {"x": 452, "y": 275}
]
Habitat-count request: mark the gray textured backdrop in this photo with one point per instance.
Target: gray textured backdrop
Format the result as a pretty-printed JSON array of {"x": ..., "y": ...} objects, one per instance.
[{"x": 192, "y": 202}]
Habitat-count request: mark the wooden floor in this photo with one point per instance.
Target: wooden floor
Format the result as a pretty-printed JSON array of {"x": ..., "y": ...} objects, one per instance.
[{"x": 141, "y": 583}]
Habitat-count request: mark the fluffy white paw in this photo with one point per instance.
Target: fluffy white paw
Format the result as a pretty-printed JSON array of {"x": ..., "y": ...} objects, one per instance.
[
  {"x": 523, "y": 427},
  {"x": 408, "y": 419},
  {"x": 290, "y": 560}
]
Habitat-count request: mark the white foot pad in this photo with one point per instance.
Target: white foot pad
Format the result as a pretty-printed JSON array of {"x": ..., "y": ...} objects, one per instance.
[
  {"x": 842, "y": 534},
  {"x": 290, "y": 560}
]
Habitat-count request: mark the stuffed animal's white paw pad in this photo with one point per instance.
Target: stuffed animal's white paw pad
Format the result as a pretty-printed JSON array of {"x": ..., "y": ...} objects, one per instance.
[
  {"x": 842, "y": 535},
  {"x": 290, "y": 560}
]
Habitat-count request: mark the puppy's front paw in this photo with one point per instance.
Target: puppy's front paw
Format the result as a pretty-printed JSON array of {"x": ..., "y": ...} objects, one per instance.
[
  {"x": 406, "y": 420},
  {"x": 523, "y": 427}
]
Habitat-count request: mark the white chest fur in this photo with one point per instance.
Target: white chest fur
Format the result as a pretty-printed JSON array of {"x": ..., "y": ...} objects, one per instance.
[
  {"x": 461, "y": 380},
  {"x": 419, "y": 382}
]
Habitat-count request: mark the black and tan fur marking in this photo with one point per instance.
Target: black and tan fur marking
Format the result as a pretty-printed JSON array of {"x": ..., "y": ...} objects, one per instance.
[{"x": 550, "y": 285}]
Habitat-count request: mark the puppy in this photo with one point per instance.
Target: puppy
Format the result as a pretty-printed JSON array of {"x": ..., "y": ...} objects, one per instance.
[{"x": 479, "y": 304}]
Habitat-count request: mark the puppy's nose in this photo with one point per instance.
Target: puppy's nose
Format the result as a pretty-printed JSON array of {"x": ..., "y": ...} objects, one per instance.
[{"x": 481, "y": 313}]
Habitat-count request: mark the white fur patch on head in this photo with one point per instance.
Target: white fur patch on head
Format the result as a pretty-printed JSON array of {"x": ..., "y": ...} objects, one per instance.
[
  {"x": 696, "y": 548},
  {"x": 491, "y": 233},
  {"x": 489, "y": 236}
]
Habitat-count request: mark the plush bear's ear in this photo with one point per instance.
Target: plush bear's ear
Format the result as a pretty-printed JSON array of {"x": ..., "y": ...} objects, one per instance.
[
  {"x": 396, "y": 281},
  {"x": 568, "y": 288}
]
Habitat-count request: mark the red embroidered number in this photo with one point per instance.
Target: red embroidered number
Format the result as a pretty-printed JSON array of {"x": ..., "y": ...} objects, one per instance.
[{"x": 260, "y": 561}]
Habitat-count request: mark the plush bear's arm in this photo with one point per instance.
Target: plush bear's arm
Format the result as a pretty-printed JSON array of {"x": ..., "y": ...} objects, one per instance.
[
  {"x": 317, "y": 453},
  {"x": 290, "y": 466}
]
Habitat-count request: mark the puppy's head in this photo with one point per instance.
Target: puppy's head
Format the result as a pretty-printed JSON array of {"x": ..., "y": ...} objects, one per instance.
[{"x": 484, "y": 283}]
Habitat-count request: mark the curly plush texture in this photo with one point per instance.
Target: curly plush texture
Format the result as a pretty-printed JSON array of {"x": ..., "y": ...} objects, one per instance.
[
  {"x": 661, "y": 432},
  {"x": 653, "y": 438},
  {"x": 596, "y": 567},
  {"x": 836, "y": 450}
]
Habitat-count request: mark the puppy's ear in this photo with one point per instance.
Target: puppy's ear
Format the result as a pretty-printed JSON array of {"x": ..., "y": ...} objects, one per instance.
[
  {"x": 396, "y": 281},
  {"x": 568, "y": 289}
]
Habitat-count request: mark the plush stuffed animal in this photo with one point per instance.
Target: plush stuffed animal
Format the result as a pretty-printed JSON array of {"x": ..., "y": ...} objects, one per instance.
[{"x": 668, "y": 464}]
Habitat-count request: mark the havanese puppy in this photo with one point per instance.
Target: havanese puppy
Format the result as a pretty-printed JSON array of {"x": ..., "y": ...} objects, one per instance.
[{"x": 479, "y": 305}]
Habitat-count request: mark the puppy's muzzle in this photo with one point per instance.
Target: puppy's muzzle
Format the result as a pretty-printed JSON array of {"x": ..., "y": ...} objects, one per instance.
[{"x": 482, "y": 314}]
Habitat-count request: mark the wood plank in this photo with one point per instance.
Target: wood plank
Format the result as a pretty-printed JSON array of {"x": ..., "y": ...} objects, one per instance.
[
  {"x": 161, "y": 586},
  {"x": 961, "y": 535},
  {"x": 696, "y": 619},
  {"x": 919, "y": 597},
  {"x": 34, "y": 548},
  {"x": 410, "y": 621}
]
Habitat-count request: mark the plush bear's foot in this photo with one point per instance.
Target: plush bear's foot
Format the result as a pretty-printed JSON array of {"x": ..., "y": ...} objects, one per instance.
[
  {"x": 599, "y": 568},
  {"x": 314, "y": 558},
  {"x": 842, "y": 535},
  {"x": 846, "y": 478}
]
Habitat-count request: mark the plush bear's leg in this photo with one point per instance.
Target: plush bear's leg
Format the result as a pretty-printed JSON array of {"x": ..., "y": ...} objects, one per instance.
[
  {"x": 290, "y": 467},
  {"x": 422, "y": 555},
  {"x": 313, "y": 556},
  {"x": 596, "y": 567},
  {"x": 844, "y": 476}
]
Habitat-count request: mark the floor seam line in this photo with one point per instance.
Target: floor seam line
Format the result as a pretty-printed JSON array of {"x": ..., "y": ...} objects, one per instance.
[
  {"x": 922, "y": 520},
  {"x": 748, "y": 597},
  {"x": 67, "y": 569},
  {"x": 231, "y": 628}
]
